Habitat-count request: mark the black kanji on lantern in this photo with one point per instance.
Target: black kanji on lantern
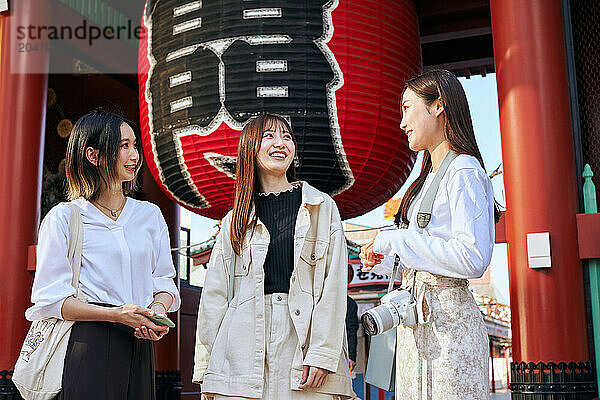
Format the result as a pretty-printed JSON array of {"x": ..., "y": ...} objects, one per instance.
[{"x": 218, "y": 61}]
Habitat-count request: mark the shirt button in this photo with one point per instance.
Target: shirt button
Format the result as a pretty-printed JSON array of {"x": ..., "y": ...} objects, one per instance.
[
  {"x": 297, "y": 312},
  {"x": 278, "y": 298}
]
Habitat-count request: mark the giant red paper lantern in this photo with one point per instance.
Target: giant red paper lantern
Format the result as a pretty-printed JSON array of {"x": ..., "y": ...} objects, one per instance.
[{"x": 334, "y": 69}]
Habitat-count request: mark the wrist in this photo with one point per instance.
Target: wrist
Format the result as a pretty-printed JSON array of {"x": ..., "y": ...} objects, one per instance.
[
  {"x": 158, "y": 305},
  {"x": 162, "y": 299},
  {"x": 380, "y": 244},
  {"x": 112, "y": 314}
]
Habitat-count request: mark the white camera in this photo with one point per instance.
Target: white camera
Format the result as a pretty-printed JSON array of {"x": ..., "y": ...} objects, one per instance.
[{"x": 397, "y": 307}]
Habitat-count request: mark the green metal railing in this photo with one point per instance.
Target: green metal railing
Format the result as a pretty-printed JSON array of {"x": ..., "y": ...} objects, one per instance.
[{"x": 591, "y": 206}]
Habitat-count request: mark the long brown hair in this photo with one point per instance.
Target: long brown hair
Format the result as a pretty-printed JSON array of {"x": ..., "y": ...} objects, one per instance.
[
  {"x": 458, "y": 127},
  {"x": 246, "y": 175},
  {"x": 99, "y": 130}
]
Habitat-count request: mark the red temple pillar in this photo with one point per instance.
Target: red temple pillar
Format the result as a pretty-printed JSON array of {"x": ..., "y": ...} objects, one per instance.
[
  {"x": 548, "y": 306},
  {"x": 22, "y": 126},
  {"x": 167, "y": 349}
]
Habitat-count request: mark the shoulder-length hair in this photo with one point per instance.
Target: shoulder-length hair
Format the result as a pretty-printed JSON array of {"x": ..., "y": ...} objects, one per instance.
[
  {"x": 246, "y": 174},
  {"x": 100, "y": 130},
  {"x": 458, "y": 127}
]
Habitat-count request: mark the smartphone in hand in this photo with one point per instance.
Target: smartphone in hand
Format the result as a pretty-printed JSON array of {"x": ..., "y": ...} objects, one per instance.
[{"x": 162, "y": 320}]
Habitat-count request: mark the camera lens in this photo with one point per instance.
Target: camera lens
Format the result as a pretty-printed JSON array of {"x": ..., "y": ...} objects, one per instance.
[
  {"x": 369, "y": 324},
  {"x": 386, "y": 315}
]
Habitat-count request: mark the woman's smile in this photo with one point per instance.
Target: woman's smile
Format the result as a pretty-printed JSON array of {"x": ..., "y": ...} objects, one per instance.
[{"x": 278, "y": 155}]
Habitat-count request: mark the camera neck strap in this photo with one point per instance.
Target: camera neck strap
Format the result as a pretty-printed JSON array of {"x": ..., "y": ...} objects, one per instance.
[
  {"x": 424, "y": 213},
  {"x": 426, "y": 207},
  {"x": 393, "y": 276}
]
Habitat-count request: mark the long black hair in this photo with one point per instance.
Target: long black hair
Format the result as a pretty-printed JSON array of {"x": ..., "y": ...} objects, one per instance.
[{"x": 458, "y": 127}]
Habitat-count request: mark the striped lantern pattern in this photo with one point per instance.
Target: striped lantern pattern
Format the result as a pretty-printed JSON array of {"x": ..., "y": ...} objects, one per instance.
[{"x": 334, "y": 69}]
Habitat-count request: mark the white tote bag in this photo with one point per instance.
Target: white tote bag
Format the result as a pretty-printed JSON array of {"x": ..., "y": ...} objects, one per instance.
[{"x": 39, "y": 369}]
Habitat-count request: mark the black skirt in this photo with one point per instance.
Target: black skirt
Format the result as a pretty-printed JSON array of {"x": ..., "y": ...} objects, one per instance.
[{"x": 105, "y": 361}]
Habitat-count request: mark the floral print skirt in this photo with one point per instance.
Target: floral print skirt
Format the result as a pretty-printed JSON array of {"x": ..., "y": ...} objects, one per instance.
[{"x": 445, "y": 356}]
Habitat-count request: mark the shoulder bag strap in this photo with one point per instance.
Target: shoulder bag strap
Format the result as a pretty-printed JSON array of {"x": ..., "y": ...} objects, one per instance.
[{"x": 75, "y": 244}]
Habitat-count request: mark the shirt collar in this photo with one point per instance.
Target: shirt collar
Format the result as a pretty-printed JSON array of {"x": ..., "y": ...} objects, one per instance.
[
  {"x": 92, "y": 212},
  {"x": 310, "y": 195}
]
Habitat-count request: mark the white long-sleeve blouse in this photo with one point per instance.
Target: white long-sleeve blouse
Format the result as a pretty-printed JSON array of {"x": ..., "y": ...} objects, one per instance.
[
  {"x": 125, "y": 261},
  {"x": 459, "y": 239}
]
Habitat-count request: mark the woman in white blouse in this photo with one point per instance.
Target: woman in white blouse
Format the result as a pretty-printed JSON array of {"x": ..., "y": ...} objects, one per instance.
[
  {"x": 126, "y": 268},
  {"x": 444, "y": 356}
]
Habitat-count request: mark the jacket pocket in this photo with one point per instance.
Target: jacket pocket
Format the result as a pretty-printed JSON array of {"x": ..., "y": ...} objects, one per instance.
[
  {"x": 244, "y": 288},
  {"x": 242, "y": 264},
  {"x": 311, "y": 259},
  {"x": 241, "y": 352},
  {"x": 217, "y": 353}
]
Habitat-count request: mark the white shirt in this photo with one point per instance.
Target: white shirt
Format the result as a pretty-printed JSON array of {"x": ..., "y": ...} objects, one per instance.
[
  {"x": 125, "y": 261},
  {"x": 459, "y": 239}
]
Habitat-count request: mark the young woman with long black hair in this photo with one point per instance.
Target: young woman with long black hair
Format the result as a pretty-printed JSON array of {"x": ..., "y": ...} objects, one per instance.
[
  {"x": 282, "y": 334},
  {"x": 444, "y": 356},
  {"x": 126, "y": 267}
]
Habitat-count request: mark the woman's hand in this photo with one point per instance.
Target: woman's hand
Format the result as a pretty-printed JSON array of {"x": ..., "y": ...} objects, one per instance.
[
  {"x": 160, "y": 305},
  {"x": 207, "y": 397},
  {"x": 368, "y": 258},
  {"x": 149, "y": 334},
  {"x": 137, "y": 318},
  {"x": 312, "y": 377},
  {"x": 128, "y": 314}
]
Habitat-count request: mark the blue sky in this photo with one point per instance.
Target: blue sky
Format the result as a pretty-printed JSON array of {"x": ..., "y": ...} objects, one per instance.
[{"x": 483, "y": 102}]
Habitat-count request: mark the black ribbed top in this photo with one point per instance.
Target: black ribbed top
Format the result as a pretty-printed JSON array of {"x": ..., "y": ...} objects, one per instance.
[{"x": 279, "y": 212}]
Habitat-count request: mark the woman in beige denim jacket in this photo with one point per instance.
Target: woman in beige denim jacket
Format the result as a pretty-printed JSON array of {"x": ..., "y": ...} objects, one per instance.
[{"x": 280, "y": 345}]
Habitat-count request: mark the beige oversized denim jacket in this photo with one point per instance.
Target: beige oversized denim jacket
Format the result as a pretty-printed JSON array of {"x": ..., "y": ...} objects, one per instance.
[{"x": 230, "y": 340}]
